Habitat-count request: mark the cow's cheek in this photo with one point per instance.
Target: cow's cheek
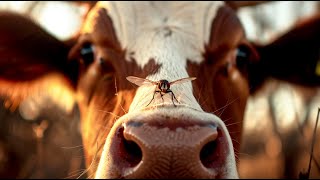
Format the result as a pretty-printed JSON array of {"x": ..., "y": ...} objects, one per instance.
[
  {"x": 97, "y": 118},
  {"x": 230, "y": 94}
]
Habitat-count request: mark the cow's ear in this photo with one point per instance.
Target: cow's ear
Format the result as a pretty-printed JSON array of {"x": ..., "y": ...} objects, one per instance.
[
  {"x": 293, "y": 57},
  {"x": 32, "y": 61}
]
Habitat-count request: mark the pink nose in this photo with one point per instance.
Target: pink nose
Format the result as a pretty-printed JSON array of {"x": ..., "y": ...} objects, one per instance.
[{"x": 167, "y": 148}]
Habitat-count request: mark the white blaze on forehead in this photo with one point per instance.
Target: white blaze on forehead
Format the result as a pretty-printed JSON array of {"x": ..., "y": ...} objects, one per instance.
[
  {"x": 139, "y": 24},
  {"x": 169, "y": 33}
]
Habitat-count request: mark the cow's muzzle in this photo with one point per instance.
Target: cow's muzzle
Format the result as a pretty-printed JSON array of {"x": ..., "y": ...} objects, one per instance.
[{"x": 167, "y": 144}]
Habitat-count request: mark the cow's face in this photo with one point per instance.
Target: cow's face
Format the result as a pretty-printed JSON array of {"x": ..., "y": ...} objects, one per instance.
[{"x": 162, "y": 41}]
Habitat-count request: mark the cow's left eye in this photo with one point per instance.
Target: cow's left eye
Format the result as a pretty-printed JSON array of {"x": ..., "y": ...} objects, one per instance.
[
  {"x": 242, "y": 57},
  {"x": 87, "y": 53}
]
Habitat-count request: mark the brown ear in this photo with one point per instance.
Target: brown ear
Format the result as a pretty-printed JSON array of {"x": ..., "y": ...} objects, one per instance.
[
  {"x": 294, "y": 57},
  {"x": 29, "y": 57}
]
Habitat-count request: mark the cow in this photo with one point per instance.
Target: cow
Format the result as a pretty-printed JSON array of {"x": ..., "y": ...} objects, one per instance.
[{"x": 125, "y": 134}]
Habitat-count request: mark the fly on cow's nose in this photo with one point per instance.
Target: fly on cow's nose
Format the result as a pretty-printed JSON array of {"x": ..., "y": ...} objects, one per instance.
[{"x": 162, "y": 86}]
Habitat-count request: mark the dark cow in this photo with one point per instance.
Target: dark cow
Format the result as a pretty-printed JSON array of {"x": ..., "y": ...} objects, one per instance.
[{"x": 123, "y": 135}]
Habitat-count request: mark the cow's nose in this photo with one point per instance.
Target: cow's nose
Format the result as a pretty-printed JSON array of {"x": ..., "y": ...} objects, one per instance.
[{"x": 163, "y": 148}]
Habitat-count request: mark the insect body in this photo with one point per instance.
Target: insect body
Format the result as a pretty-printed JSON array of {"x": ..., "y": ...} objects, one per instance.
[{"x": 162, "y": 86}]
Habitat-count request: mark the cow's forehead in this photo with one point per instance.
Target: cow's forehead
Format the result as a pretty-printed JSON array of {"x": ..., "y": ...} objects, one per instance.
[
  {"x": 170, "y": 33},
  {"x": 143, "y": 28}
]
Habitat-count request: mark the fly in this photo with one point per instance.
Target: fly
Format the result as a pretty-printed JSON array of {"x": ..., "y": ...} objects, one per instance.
[{"x": 162, "y": 86}]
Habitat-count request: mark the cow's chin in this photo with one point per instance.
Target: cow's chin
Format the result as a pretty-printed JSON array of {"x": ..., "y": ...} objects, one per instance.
[{"x": 168, "y": 142}]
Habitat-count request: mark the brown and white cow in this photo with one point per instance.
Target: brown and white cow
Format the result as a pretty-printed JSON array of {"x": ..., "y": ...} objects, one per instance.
[{"x": 122, "y": 136}]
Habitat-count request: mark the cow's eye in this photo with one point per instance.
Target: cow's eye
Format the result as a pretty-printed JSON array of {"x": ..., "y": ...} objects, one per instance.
[
  {"x": 87, "y": 53},
  {"x": 242, "y": 58}
]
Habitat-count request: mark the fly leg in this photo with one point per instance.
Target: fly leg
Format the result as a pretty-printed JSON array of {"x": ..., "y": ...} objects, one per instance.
[
  {"x": 153, "y": 96},
  {"x": 173, "y": 96},
  {"x": 162, "y": 97}
]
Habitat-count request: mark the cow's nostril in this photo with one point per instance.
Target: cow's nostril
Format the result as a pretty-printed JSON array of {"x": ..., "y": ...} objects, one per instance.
[
  {"x": 133, "y": 151},
  {"x": 129, "y": 150},
  {"x": 213, "y": 154},
  {"x": 208, "y": 154}
]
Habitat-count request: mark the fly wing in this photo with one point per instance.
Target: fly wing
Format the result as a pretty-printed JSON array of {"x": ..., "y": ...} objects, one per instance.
[
  {"x": 183, "y": 80},
  {"x": 140, "y": 81}
]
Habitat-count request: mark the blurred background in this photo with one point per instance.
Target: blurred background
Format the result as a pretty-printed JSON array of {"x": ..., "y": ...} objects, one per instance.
[{"x": 39, "y": 140}]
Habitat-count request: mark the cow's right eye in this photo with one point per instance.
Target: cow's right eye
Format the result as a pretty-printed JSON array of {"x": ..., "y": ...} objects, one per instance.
[
  {"x": 87, "y": 53},
  {"x": 242, "y": 59}
]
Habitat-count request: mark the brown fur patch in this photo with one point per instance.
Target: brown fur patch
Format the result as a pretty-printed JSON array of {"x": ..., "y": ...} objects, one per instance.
[
  {"x": 106, "y": 93},
  {"x": 221, "y": 88}
]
